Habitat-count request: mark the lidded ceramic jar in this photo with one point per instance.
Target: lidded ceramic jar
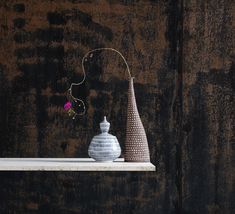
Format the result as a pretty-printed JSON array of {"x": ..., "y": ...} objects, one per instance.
[{"x": 104, "y": 147}]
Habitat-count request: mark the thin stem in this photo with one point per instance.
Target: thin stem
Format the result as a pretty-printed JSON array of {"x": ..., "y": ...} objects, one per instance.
[
  {"x": 84, "y": 74},
  {"x": 83, "y": 69}
]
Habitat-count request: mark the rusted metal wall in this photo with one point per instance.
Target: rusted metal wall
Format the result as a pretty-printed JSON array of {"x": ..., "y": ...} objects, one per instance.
[{"x": 182, "y": 56}]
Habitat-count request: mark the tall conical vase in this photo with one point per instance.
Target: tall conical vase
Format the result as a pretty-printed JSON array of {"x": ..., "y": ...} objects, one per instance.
[{"x": 136, "y": 145}]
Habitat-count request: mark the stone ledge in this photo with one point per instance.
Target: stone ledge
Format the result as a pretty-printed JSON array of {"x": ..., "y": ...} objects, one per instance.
[{"x": 70, "y": 164}]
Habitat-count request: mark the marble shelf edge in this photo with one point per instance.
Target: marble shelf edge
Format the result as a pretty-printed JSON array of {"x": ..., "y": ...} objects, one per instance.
[{"x": 71, "y": 164}]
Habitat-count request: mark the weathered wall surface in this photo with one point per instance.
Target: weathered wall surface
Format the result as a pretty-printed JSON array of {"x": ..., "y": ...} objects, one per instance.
[
  {"x": 182, "y": 56},
  {"x": 208, "y": 102}
]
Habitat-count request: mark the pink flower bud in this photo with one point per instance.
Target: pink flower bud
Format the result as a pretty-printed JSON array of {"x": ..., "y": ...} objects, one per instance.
[{"x": 67, "y": 105}]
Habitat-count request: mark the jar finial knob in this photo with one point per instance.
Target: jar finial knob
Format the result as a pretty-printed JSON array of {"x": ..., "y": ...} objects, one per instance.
[{"x": 104, "y": 125}]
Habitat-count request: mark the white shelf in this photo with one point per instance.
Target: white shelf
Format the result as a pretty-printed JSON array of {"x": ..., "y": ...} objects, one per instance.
[{"x": 71, "y": 164}]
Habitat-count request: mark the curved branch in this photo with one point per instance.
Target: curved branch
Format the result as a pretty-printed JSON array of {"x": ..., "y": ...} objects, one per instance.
[
  {"x": 84, "y": 74},
  {"x": 83, "y": 69}
]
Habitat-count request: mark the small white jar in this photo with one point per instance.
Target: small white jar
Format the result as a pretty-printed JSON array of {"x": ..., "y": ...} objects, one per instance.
[{"x": 104, "y": 147}]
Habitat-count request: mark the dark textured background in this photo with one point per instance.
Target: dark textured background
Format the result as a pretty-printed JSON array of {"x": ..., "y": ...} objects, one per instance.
[{"x": 182, "y": 56}]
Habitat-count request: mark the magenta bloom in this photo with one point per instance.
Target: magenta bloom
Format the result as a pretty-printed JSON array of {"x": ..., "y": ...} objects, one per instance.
[{"x": 67, "y": 105}]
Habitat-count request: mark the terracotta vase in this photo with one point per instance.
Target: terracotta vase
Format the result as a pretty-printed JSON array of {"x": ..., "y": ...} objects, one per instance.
[{"x": 136, "y": 145}]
